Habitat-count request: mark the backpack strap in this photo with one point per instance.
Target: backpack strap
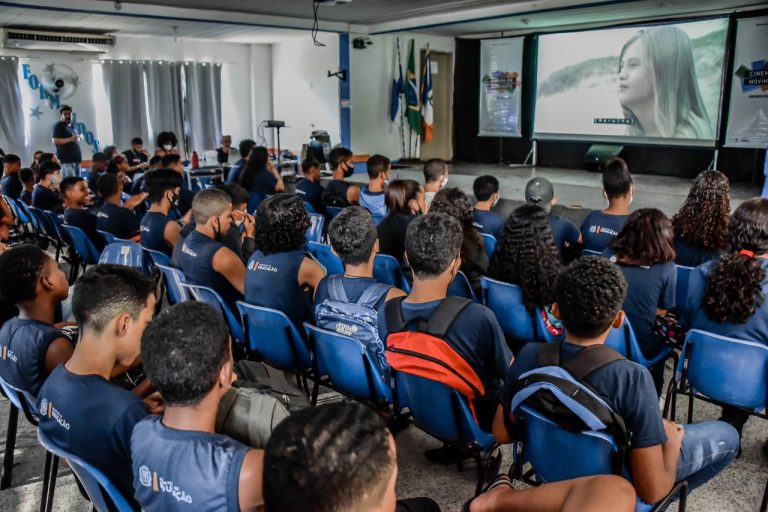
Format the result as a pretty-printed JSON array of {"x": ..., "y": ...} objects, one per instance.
[
  {"x": 394, "y": 315},
  {"x": 549, "y": 354},
  {"x": 590, "y": 359},
  {"x": 445, "y": 314},
  {"x": 336, "y": 288},
  {"x": 373, "y": 294}
]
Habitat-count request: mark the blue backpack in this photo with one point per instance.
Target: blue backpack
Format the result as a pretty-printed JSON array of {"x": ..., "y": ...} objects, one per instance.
[{"x": 358, "y": 320}]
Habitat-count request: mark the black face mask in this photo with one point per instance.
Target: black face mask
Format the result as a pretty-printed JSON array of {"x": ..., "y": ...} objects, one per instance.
[
  {"x": 175, "y": 200},
  {"x": 217, "y": 231},
  {"x": 349, "y": 170}
]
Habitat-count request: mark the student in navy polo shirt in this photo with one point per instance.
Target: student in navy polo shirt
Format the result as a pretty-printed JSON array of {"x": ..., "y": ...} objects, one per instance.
[
  {"x": 539, "y": 191},
  {"x": 31, "y": 346},
  {"x": 372, "y": 195},
  {"x": 338, "y": 192},
  {"x": 244, "y": 148},
  {"x": 112, "y": 217},
  {"x": 728, "y": 296},
  {"x": 27, "y": 177},
  {"x": 45, "y": 194},
  {"x": 186, "y": 196},
  {"x": 645, "y": 253},
  {"x": 83, "y": 412},
  {"x": 158, "y": 231},
  {"x": 204, "y": 258},
  {"x": 600, "y": 227},
  {"x": 99, "y": 164},
  {"x": 75, "y": 192},
  {"x": 309, "y": 189},
  {"x": 10, "y": 184},
  {"x": 701, "y": 224},
  {"x": 590, "y": 293},
  {"x": 435, "y": 178},
  {"x": 178, "y": 461},
  {"x": 240, "y": 236},
  {"x": 281, "y": 275},
  {"x": 486, "y": 189},
  {"x": 259, "y": 174},
  {"x": 405, "y": 201}
]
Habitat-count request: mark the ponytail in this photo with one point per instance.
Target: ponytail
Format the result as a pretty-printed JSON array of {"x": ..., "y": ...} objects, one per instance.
[{"x": 734, "y": 288}]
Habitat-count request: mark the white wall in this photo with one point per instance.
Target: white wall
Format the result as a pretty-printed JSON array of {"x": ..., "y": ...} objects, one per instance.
[{"x": 371, "y": 72}]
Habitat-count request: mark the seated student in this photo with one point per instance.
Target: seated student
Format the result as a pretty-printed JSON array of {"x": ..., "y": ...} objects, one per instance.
[
  {"x": 7, "y": 221},
  {"x": 187, "y": 355},
  {"x": 486, "y": 189},
  {"x": 186, "y": 196},
  {"x": 372, "y": 195},
  {"x": 433, "y": 249},
  {"x": 74, "y": 190},
  {"x": 99, "y": 165},
  {"x": 138, "y": 183},
  {"x": 240, "y": 236},
  {"x": 340, "y": 193},
  {"x": 137, "y": 157},
  {"x": 45, "y": 194},
  {"x": 353, "y": 469},
  {"x": 590, "y": 293},
  {"x": 309, "y": 189},
  {"x": 245, "y": 147},
  {"x": 112, "y": 217},
  {"x": 526, "y": 256},
  {"x": 701, "y": 224},
  {"x": 158, "y": 231},
  {"x": 645, "y": 253},
  {"x": 10, "y": 184},
  {"x": 86, "y": 414},
  {"x": 474, "y": 259},
  {"x": 435, "y": 178},
  {"x": 204, "y": 259},
  {"x": 27, "y": 177},
  {"x": 404, "y": 200},
  {"x": 280, "y": 272},
  {"x": 539, "y": 191},
  {"x": 354, "y": 239},
  {"x": 728, "y": 296},
  {"x": 600, "y": 227},
  {"x": 31, "y": 345},
  {"x": 259, "y": 175}
]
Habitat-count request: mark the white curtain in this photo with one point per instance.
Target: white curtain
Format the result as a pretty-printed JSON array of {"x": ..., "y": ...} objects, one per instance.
[
  {"x": 163, "y": 100},
  {"x": 11, "y": 120},
  {"x": 202, "y": 84},
  {"x": 124, "y": 84}
]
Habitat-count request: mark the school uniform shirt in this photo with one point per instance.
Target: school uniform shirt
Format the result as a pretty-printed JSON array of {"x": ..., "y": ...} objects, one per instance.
[
  {"x": 391, "y": 231},
  {"x": 692, "y": 256},
  {"x": 196, "y": 261},
  {"x": 336, "y": 193},
  {"x": 86, "y": 220},
  {"x": 46, "y": 199},
  {"x": 373, "y": 202},
  {"x": 23, "y": 346},
  {"x": 92, "y": 418},
  {"x": 153, "y": 232},
  {"x": 563, "y": 231},
  {"x": 312, "y": 193},
  {"x": 754, "y": 329},
  {"x": 11, "y": 186},
  {"x": 235, "y": 170},
  {"x": 487, "y": 222},
  {"x": 26, "y": 196},
  {"x": 625, "y": 386},
  {"x": 272, "y": 281},
  {"x": 118, "y": 220},
  {"x": 185, "y": 470},
  {"x": 263, "y": 182},
  {"x": 599, "y": 228}
]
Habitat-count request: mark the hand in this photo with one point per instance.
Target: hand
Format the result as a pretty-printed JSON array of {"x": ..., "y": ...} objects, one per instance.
[
  {"x": 136, "y": 200},
  {"x": 249, "y": 224},
  {"x": 155, "y": 403},
  {"x": 187, "y": 217},
  {"x": 3, "y": 247},
  {"x": 674, "y": 431},
  {"x": 280, "y": 186}
]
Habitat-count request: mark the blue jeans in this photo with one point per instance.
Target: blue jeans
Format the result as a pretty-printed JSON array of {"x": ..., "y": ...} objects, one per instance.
[
  {"x": 70, "y": 170},
  {"x": 707, "y": 449}
]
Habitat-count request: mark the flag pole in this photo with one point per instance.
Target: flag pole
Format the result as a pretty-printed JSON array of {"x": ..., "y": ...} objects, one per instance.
[{"x": 400, "y": 101}]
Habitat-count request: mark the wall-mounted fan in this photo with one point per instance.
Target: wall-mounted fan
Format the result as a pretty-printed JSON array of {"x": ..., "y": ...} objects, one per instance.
[{"x": 59, "y": 80}]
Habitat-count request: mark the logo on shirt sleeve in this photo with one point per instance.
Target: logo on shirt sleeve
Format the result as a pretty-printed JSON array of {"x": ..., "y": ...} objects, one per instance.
[
  {"x": 187, "y": 250},
  {"x": 266, "y": 267},
  {"x": 47, "y": 410},
  {"x": 8, "y": 354},
  {"x": 149, "y": 478}
]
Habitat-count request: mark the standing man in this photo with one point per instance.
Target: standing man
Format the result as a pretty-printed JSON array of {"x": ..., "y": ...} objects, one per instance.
[{"x": 67, "y": 143}]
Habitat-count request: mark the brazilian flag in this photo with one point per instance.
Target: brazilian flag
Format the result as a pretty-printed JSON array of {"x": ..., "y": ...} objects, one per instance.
[{"x": 412, "y": 94}]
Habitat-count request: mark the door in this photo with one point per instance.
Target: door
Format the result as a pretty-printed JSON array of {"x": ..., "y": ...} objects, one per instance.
[{"x": 441, "y": 145}]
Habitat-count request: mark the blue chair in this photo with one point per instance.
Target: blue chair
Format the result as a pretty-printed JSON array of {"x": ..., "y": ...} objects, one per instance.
[
  {"x": 333, "y": 211},
  {"x": 309, "y": 207},
  {"x": 624, "y": 341},
  {"x": 84, "y": 248},
  {"x": 22, "y": 222},
  {"x": 444, "y": 414},
  {"x": 315, "y": 229},
  {"x": 350, "y": 367},
  {"x": 460, "y": 287},
  {"x": 57, "y": 221},
  {"x": 108, "y": 237},
  {"x": 516, "y": 320},
  {"x": 377, "y": 217},
  {"x": 157, "y": 257},
  {"x": 387, "y": 270},
  {"x": 254, "y": 201},
  {"x": 590, "y": 252},
  {"x": 212, "y": 298},
  {"x": 173, "y": 279},
  {"x": 323, "y": 254},
  {"x": 96, "y": 484},
  {"x": 25, "y": 209},
  {"x": 47, "y": 230},
  {"x": 490, "y": 244},
  {"x": 128, "y": 254},
  {"x": 681, "y": 292}
]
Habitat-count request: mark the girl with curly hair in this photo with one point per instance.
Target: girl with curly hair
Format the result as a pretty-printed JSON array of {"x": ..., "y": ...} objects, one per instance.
[
  {"x": 280, "y": 274},
  {"x": 645, "y": 253},
  {"x": 474, "y": 260},
  {"x": 701, "y": 224}
]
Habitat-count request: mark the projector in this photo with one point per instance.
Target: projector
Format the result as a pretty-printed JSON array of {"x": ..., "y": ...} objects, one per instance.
[{"x": 275, "y": 124}]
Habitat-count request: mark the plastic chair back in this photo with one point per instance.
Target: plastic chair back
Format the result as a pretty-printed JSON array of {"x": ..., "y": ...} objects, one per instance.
[
  {"x": 590, "y": 252},
  {"x": 108, "y": 237},
  {"x": 83, "y": 245},
  {"x": 57, "y": 221},
  {"x": 309, "y": 207},
  {"x": 490, "y": 244},
  {"x": 517, "y": 321},
  {"x": 128, "y": 254},
  {"x": 174, "y": 278},
  {"x": 14, "y": 208},
  {"x": 43, "y": 223},
  {"x": 323, "y": 254},
  {"x": 681, "y": 291},
  {"x": 24, "y": 207},
  {"x": 17, "y": 206},
  {"x": 728, "y": 370},
  {"x": 270, "y": 333},
  {"x": 387, "y": 270},
  {"x": 349, "y": 365},
  {"x": 157, "y": 257},
  {"x": 254, "y": 201},
  {"x": 333, "y": 211},
  {"x": 460, "y": 287},
  {"x": 377, "y": 217},
  {"x": 21, "y": 400},
  {"x": 315, "y": 229},
  {"x": 212, "y": 298},
  {"x": 95, "y": 482}
]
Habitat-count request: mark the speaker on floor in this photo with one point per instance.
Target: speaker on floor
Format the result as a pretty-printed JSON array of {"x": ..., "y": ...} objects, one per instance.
[{"x": 598, "y": 154}]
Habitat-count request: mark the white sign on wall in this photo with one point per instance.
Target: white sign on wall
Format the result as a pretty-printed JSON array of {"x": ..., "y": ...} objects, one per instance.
[{"x": 501, "y": 65}]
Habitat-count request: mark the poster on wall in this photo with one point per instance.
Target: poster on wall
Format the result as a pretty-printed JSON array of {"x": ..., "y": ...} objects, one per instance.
[
  {"x": 501, "y": 65},
  {"x": 748, "y": 115}
]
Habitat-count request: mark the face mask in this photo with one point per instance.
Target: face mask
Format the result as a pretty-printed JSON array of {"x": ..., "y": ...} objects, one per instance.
[
  {"x": 175, "y": 200},
  {"x": 217, "y": 231},
  {"x": 239, "y": 223},
  {"x": 348, "y": 170},
  {"x": 56, "y": 179},
  {"x": 495, "y": 202},
  {"x": 444, "y": 182},
  {"x": 167, "y": 147},
  {"x": 631, "y": 197}
]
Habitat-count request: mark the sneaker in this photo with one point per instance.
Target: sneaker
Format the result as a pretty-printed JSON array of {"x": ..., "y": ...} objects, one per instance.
[{"x": 445, "y": 455}]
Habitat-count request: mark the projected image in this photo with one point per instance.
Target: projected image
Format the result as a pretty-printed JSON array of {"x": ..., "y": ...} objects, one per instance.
[{"x": 659, "y": 83}]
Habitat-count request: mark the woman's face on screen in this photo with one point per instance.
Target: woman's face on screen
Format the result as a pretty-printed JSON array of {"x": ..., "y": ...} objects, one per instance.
[{"x": 635, "y": 77}]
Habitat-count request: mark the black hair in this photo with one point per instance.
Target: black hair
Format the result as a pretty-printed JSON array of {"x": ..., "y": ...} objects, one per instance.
[
  {"x": 45, "y": 157},
  {"x": 526, "y": 256},
  {"x": 137, "y": 140},
  {"x": 10, "y": 159},
  {"x": 399, "y": 193},
  {"x": 156, "y": 159},
  {"x": 617, "y": 181},
  {"x": 20, "y": 269},
  {"x": 455, "y": 203},
  {"x": 183, "y": 350},
  {"x": 281, "y": 224},
  {"x": 484, "y": 187},
  {"x": 326, "y": 459},
  {"x": 256, "y": 162},
  {"x": 309, "y": 163},
  {"x": 434, "y": 170},
  {"x": 245, "y": 147},
  {"x": 68, "y": 183},
  {"x": 237, "y": 193},
  {"x": 377, "y": 164},
  {"x": 47, "y": 168},
  {"x": 169, "y": 159},
  {"x": 65, "y": 108},
  {"x": 159, "y": 181},
  {"x": 106, "y": 291},
  {"x": 590, "y": 292},
  {"x": 432, "y": 242},
  {"x": 110, "y": 151},
  {"x": 168, "y": 137},
  {"x": 107, "y": 185},
  {"x": 353, "y": 235},
  {"x": 734, "y": 289},
  {"x": 338, "y": 155},
  {"x": 646, "y": 239},
  {"x": 27, "y": 175}
]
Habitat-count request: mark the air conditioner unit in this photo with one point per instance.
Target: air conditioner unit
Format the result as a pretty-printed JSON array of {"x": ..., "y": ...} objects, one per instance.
[{"x": 20, "y": 39}]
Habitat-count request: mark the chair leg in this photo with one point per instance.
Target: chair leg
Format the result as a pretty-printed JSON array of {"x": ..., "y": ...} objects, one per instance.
[
  {"x": 764, "y": 503},
  {"x": 52, "y": 483},
  {"x": 690, "y": 408},
  {"x": 668, "y": 400},
  {"x": 46, "y": 481},
  {"x": 10, "y": 446}
]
